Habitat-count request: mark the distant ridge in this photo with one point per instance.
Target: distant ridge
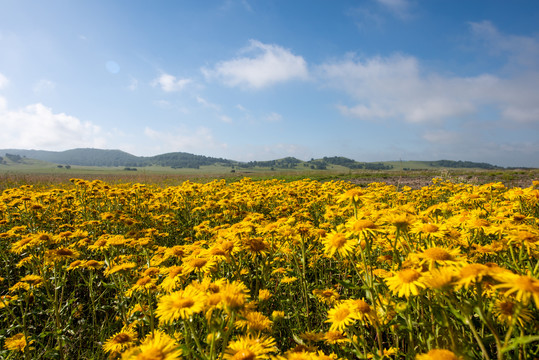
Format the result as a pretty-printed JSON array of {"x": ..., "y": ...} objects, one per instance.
[
  {"x": 100, "y": 157},
  {"x": 115, "y": 158}
]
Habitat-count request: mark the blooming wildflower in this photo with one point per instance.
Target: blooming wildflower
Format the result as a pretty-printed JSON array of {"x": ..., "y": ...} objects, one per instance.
[
  {"x": 288, "y": 279},
  {"x": 337, "y": 241},
  {"x": 120, "y": 341},
  {"x": 471, "y": 273},
  {"x": 173, "y": 279},
  {"x": 203, "y": 265},
  {"x": 523, "y": 287},
  {"x": 441, "y": 278},
  {"x": 254, "y": 321},
  {"x": 180, "y": 304},
  {"x": 16, "y": 342},
  {"x": 438, "y": 354},
  {"x": 508, "y": 311},
  {"x": 33, "y": 280},
  {"x": 326, "y": 296},
  {"x": 5, "y": 300},
  {"x": 250, "y": 348},
  {"x": 23, "y": 244},
  {"x": 341, "y": 316},
  {"x": 437, "y": 256},
  {"x": 405, "y": 282},
  {"x": 234, "y": 295},
  {"x": 264, "y": 294},
  {"x": 312, "y": 337},
  {"x": 160, "y": 346},
  {"x": 19, "y": 286},
  {"x": 276, "y": 315},
  {"x": 143, "y": 284},
  {"x": 335, "y": 337},
  {"x": 61, "y": 254},
  {"x": 118, "y": 268}
]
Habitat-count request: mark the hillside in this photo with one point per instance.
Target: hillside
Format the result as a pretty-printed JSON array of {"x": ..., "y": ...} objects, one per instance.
[{"x": 177, "y": 160}]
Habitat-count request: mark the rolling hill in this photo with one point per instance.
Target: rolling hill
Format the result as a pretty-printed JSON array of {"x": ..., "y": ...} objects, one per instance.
[{"x": 118, "y": 158}]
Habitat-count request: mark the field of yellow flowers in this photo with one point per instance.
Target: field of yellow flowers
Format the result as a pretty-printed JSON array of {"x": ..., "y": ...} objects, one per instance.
[{"x": 269, "y": 270}]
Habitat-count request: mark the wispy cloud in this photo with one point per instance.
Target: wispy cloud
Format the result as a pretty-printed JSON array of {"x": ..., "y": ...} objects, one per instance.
[
  {"x": 3, "y": 81},
  {"x": 208, "y": 104},
  {"x": 273, "y": 117},
  {"x": 263, "y": 65},
  {"x": 44, "y": 86},
  {"x": 520, "y": 50},
  {"x": 170, "y": 83},
  {"x": 399, "y": 8},
  {"x": 133, "y": 83}
]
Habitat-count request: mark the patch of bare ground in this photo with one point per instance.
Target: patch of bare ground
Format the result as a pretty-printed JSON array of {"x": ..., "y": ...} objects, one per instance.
[{"x": 510, "y": 178}]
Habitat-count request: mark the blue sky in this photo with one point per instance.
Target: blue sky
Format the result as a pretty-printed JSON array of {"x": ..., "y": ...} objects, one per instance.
[{"x": 371, "y": 80}]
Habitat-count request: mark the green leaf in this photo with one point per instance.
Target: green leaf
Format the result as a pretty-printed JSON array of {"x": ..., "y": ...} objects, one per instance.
[{"x": 522, "y": 340}]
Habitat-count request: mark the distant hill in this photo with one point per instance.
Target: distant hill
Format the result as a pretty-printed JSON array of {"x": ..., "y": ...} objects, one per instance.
[{"x": 100, "y": 157}]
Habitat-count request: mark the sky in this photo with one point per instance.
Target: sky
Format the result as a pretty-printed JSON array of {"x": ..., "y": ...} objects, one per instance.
[{"x": 371, "y": 80}]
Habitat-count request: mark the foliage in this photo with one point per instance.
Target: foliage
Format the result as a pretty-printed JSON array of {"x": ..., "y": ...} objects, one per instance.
[{"x": 269, "y": 270}]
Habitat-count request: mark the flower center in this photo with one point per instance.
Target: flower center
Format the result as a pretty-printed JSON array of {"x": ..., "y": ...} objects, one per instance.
[
  {"x": 437, "y": 254},
  {"x": 244, "y": 354},
  {"x": 408, "y": 275}
]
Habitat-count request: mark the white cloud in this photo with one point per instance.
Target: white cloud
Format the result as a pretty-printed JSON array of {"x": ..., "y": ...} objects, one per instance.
[
  {"x": 394, "y": 87},
  {"x": 37, "y": 127},
  {"x": 268, "y": 65},
  {"x": 197, "y": 141},
  {"x": 43, "y": 86},
  {"x": 170, "y": 83}
]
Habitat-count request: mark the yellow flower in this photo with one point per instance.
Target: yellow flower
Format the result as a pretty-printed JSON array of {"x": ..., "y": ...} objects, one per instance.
[
  {"x": 471, "y": 274},
  {"x": 523, "y": 287},
  {"x": 335, "y": 337},
  {"x": 264, "y": 294},
  {"x": 437, "y": 256},
  {"x": 341, "y": 316},
  {"x": 143, "y": 284},
  {"x": 250, "y": 348},
  {"x": 438, "y": 354},
  {"x": 326, "y": 296},
  {"x": 33, "y": 280},
  {"x": 17, "y": 342},
  {"x": 288, "y": 279},
  {"x": 405, "y": 282},
  {"x": 119, "y": 268},
  {"x": 200, "y": 264},
  {"x": 254, "y": 321},
  {"x": 180, "y": 304},
  {"x": 120, "y": 341},
  {"x": 276, "y": 315},
  {"x": 160, "y": 346},
  {"x": 508, "y": 311},
  {"x": 338, "y": 242}
]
